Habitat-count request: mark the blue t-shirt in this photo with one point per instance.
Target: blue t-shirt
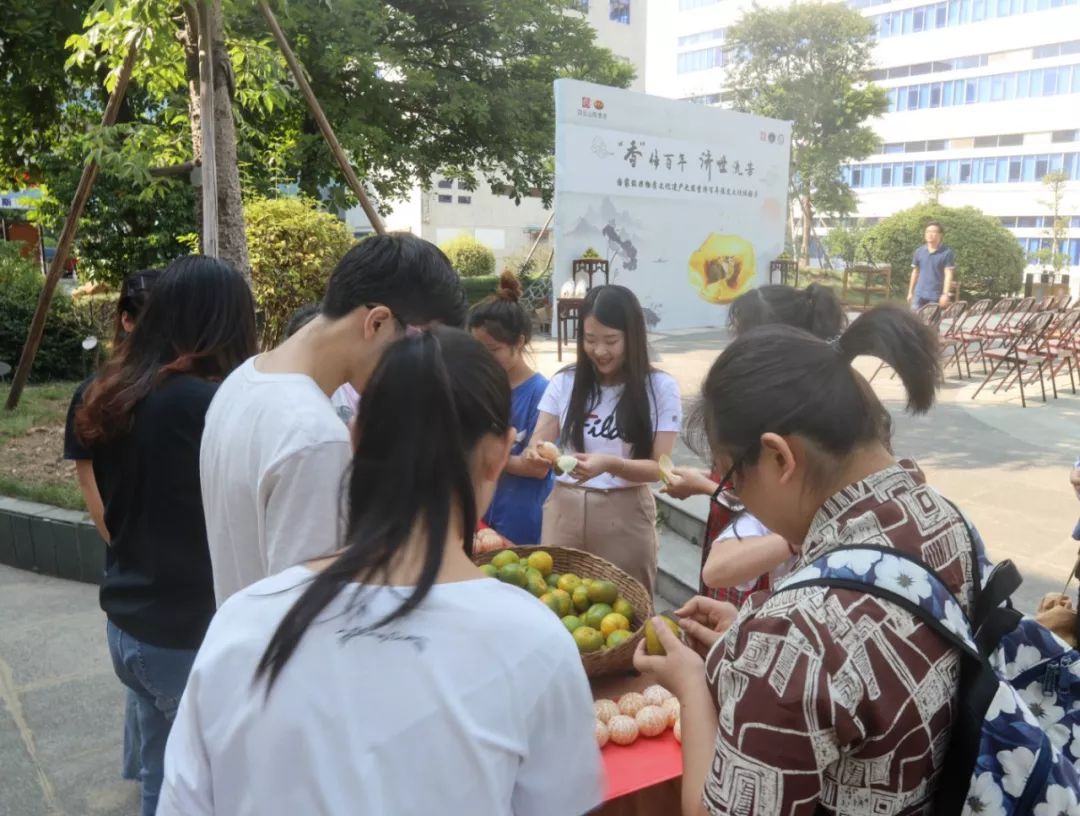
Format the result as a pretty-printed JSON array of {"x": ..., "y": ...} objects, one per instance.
[
  {"x": 932, "y": 266},
  {"x": 517, "y": 508}
]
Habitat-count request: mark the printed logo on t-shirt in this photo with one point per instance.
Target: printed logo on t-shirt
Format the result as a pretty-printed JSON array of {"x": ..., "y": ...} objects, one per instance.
[{"x": 597, "y": 429}]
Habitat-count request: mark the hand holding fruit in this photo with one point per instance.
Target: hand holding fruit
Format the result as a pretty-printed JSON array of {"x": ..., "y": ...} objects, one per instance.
[
  {"x": 487, "y": 540},
  {"x": 677, "y": 668},
  {"x": 706, "y": 620},
  {"x": 591, "y": 465},
  {"x": 688, "y": 481},
  {"x": 544, "y": 453}
]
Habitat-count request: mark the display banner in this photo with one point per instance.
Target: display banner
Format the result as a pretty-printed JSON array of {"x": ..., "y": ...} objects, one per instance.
[{"x": 687, "y": 203}]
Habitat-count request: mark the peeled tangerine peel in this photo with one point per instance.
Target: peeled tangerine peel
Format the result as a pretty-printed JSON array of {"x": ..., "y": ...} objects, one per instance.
[
  {"x": 723, "y": 268},
  {"x": 666, "y": 469},
  {"x": 566, "y": 464}
]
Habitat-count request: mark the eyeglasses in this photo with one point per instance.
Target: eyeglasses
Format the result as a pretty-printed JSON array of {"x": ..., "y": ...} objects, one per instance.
[{"x": 725, "y": 494}]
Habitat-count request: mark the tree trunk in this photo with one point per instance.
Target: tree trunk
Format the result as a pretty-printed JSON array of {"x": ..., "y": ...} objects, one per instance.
[
  {"x": 807, "y": 215},
  {"x": 232, "y": 241}
]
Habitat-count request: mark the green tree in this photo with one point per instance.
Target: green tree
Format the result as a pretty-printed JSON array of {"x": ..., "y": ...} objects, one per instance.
[
  {"x": 846, "y": 242},
  {"x": 810, "y": 63},
  {"x": 1052, "y": 257},
  {"x": 934, "y": 190},
  {"x": 294, "y": 247},
  {"x": 413, "y": 88},
  {"x": 989, "y": 261},
  {"x": 470, "y": 257}
]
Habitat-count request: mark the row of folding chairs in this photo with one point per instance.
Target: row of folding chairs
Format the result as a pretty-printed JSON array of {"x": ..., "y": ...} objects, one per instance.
[{"x": 1014, "y": 340}]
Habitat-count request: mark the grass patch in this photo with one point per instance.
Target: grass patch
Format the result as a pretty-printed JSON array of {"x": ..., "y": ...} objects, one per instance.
[{"x": 32, "y": 466}]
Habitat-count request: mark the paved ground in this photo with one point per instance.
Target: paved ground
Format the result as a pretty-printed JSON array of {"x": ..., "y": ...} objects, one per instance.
[{"x": 61, "y": 707}]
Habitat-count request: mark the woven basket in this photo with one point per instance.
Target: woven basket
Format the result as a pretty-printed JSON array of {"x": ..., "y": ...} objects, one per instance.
[{"x": 587, "y": 565}]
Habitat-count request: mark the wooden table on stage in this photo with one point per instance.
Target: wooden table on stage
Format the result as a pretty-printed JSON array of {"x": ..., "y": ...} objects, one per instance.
[{"x": 662, "y": 799}]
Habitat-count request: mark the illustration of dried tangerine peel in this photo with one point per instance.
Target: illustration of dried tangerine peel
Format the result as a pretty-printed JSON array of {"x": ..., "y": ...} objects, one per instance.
[{"x": 722, "y": 268}]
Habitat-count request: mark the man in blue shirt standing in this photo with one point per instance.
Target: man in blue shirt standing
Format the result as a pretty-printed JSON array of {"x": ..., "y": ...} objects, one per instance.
[{"x": 932, "y": 269}]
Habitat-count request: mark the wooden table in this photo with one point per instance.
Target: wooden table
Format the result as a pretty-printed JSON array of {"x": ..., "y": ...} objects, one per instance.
[
  {"x": 568, "y": 311},
  {"x": 663, "y": 799}
]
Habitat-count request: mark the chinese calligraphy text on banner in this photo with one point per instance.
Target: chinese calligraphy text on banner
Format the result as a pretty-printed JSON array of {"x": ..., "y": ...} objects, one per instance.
[{"x": 687, "y": 203}]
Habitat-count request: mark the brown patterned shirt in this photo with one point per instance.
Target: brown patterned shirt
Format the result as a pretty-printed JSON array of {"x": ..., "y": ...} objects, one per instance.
[{"x": 835, "y": 696}]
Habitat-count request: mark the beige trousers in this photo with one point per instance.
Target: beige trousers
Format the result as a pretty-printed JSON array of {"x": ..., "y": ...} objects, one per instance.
[{"x": 618, "y": 525}]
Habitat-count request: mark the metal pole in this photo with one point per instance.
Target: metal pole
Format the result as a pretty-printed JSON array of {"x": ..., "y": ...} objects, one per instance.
[
  {"x": 320, "y": 118},
  {"x": 67, "y": 238}
]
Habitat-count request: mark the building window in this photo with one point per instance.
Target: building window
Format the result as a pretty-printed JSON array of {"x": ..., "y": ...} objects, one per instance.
[
  {"x": 581, "y": 5},
  {"x": 988, "y": 170},
  {"x": 700, "y": 60},
  {"x": 464, "y": 199},
  {"x": 996, "y": 88},
  {"x": 953, "y": 13},
  {"x": 619, "y": 11},
  {"x": 446, "y": 199},
  {"x": 1065, "y": 136},
  {"x": 446, "y": 184},
  {"x": 701, "y": 37}
]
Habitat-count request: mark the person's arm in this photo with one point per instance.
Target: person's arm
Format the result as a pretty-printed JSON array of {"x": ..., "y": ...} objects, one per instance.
[
  {"x": 591, "y": 465},
  {"x": 547, "y": 430},
  {"x": 518, "y": 464},
  {"x": 950, "y": 271},
  {"x": 84, "y": 471},
  {"x": 914, "y": 280},
  {"x": 733, "y": 561},
  {"x": 302, "y": 499},
  {"x": 687, "y": 482}
]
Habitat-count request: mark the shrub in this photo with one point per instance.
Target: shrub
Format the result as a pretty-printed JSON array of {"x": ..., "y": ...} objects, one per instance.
[
  {"x": 989, "y": 261},
  {"x": 469, "y": 257},
  {"x": 293, "y": 247},
  {"x": 60, "y": 356}
]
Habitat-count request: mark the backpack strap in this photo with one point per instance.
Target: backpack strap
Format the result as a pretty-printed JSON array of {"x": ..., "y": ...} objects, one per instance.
[{"x": 912, "y": 585}]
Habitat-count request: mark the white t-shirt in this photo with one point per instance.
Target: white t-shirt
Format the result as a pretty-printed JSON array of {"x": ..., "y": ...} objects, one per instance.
[
  {"x": 273, "y": 457},
  {"x": 601, "y": 432},
  {"x": 475, "y": 703},
  {"x": 749, "y": 526},
  {"x": 346, "y": 401}
]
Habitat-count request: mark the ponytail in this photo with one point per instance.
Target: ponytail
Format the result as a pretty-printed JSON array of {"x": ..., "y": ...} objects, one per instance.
[
  {"x": 815, "y": 309},
  {"x": 430, "y": 401},
  {"x": 783, "y": 380},
  {"x": 501, "y": 315}
]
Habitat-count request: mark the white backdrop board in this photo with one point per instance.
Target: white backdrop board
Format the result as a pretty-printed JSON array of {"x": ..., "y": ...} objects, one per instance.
[{"x": 687, "y": 202}]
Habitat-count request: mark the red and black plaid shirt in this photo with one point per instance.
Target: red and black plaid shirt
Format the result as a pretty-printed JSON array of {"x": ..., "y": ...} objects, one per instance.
[{"x": 719, "y": 518}]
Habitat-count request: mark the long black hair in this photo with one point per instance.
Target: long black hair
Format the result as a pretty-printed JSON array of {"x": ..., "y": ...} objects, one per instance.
[
  {"x": 815, "y": 309},
  {"x": 431, "y": 399},
  {"x": 133, "y": 296},
  {"x": 784, "y": 380},
  {"x": 198, "y": 320},
  {"x": 618, "y": 308},
  {"x": 501, "y": 315}
]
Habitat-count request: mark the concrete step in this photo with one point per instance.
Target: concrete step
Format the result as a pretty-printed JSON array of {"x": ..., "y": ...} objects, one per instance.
[{"x": 681, "y": 530}]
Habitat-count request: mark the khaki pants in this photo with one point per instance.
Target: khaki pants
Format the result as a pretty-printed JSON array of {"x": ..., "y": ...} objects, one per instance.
[{"x": 618, "y": 525}]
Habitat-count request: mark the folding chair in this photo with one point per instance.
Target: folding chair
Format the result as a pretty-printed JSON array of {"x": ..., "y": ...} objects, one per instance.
[
  {"x": 1063, "y": 346},
  {"x": 1018, "y": 352},
  {"x": 1046, "y": 304},
  {"x": 993, "y": 331},
  {"x": 968, "y": 332},
  {"x": 949, "y": 328}
]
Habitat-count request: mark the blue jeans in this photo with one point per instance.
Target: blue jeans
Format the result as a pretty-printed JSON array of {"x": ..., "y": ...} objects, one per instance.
[
  {"x": 156, "y": 676},
  {"x": 132, "y": 763},
  {"x": 917, "y": 302}
]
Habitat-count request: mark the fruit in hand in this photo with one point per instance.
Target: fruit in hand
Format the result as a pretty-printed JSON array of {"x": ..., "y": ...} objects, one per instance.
[
  {"x": 667, "y": 469},
  {"x": 566, "y": 464},
  {"x": 548, "y": 451},
  {"x": 652, "y": 642}
]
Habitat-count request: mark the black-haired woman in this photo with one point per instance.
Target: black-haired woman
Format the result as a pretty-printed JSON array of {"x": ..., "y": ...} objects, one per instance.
[
  {"x": 827, "y": 698},
  {"x": 142, "y": 421},
  {"x": 504, "y": 327},
  {"x": 129, "y": 305},
  {"x": 815, "y": 309},
  {"x": 394, "y": 677},
  {"x": 617, "y": 415}
]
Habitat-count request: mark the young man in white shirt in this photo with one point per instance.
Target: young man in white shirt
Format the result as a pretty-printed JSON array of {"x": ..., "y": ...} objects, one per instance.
[{"x": 274, "y": 450}]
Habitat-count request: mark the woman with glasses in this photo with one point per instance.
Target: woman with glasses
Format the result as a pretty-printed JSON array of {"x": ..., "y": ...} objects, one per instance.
[
  {"x": 822, "y": 699},
  {"x": 744, "y": 557}
]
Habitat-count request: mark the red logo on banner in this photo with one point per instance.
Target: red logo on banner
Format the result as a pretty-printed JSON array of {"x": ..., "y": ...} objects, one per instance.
[{"x": 585, "y": 102}]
